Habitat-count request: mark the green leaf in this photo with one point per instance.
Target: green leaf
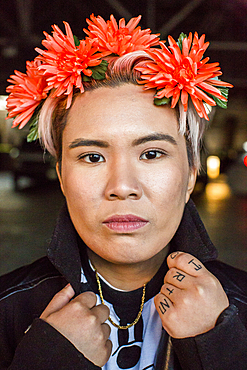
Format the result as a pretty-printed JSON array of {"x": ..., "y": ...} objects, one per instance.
[
  {"x": 33, "y": 131},
  {"x": 100, "y": 70},
  {"x": 162, "y": 101},
  {"x": 180, "y": 40},
  {"x": 219, "y": 102},
  {"x": 76, "y": 41},
  {"x": 86, "y": 78},
  {"x": 104, "y": 63},
  {"x": 33, "y": 124}
]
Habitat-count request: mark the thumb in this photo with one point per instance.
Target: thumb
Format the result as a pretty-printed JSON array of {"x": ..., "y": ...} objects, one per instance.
[{"x": 59, "y": 300}]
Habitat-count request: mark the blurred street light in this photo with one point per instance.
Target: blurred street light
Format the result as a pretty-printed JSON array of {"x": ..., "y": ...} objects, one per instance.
[{"x": 213, "y": 166}]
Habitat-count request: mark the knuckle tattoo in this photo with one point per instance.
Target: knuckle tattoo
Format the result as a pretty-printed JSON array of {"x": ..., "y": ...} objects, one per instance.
[
  {"x": 164, "y": 305},
  {"x": 178, "y": 276},
  {"x": 197, "y": 266},
  {"x": 170, "y": 290},
  {"x": 174, "y": 255}
]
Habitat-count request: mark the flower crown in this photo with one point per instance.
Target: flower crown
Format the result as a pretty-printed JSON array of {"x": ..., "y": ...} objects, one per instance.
[{"x": 176, "y": 72}]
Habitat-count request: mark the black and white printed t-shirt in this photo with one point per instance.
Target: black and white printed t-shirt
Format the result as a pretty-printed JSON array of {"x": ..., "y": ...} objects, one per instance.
[{"x": 134, "y": 348}]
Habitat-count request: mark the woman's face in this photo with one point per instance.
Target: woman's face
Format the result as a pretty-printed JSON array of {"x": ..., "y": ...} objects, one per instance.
[{"x": 125, "y": 173}]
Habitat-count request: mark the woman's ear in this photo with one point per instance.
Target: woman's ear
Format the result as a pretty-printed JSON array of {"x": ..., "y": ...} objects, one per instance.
[
  {"x": 59, "y": 175},
  {"x": 191, "y": 182}
]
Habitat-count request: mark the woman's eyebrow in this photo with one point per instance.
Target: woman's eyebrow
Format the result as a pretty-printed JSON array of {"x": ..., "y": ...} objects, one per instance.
[
  {"x": 104, "y": 144},
  {"x": 155, "y": 137},
  {"x": 85, "y": 142}
]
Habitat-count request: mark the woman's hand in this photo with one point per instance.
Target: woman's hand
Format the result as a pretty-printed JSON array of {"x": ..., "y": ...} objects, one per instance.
[
  {"x": 82, "y": 323},
  {"x": 191, "y": 299}
]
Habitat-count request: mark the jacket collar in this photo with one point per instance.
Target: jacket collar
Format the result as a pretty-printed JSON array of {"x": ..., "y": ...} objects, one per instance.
[
  {"x": 190, "y": 237},
  {"x": 63, "y": 250}
]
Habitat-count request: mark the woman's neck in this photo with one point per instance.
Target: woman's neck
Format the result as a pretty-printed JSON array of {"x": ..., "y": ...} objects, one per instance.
[{"x": 128, "y": 276}]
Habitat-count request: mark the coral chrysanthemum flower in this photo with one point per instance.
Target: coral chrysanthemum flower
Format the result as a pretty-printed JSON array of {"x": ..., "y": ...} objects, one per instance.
[
  {"x": 26, "y": 93},
  {"x": 119, "y": 39},
  {"x": 64, "y": 63},
  {"x": 180, "y": 72}
]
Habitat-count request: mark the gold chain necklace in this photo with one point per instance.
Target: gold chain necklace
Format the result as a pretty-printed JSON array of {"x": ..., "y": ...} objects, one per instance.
[{"x": 111, "y": 321}]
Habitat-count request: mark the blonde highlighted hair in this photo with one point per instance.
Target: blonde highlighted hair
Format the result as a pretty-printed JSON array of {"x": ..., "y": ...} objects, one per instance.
[{"x": 121, "y": 70}]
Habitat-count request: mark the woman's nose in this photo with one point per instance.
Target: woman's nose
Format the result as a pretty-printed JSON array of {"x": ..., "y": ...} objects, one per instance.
[{"x": 123, "y": 182}]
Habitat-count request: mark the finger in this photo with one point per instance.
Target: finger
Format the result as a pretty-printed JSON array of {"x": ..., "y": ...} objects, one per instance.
[
  {"x": 60, "y": 300},
  {"x": 185, "y": 262},
  {"x": 87, "y": 299},
  {"x": 108, "y": 345},
  {"x": 106, "y": 330},
  {"x": 102, "y": 312},
  {"x": 162, "y": 303},
  {"x": 170, "y": 291},
  {"x": 177, "y": 277}
]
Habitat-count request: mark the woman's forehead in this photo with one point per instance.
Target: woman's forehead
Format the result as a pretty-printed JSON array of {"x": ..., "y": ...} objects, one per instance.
[{"x": 125, "y": 107}]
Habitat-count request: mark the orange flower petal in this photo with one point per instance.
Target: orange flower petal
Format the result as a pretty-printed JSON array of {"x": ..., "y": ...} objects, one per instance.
[
  {"x": 63, "y": 62},
  {"x": 219, "y": 83},
  {"x": 26, "y": 93},
  {"x": 197, "y": 105},
  {"x": 212, "y": 90},
  {"x": 175, "y": 97},
  {"x": 133, "y": 22},
  {"x": 174, "y": 72},
  {"x": 119, "y": 39}
]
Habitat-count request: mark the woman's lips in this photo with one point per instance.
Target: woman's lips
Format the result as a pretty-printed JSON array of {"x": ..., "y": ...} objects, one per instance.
[{"x": 125, "y": 223}]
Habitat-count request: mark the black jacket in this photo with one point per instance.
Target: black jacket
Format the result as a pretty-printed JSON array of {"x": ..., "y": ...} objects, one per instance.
[{"x": 26, "y": 292}]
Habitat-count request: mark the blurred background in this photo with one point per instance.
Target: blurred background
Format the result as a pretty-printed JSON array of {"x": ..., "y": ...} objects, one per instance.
[{"x": 30, "y": 197}]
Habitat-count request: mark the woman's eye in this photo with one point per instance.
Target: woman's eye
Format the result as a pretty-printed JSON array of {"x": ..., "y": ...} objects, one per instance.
[
  {"x": 152, "y": 154},
  {"x": 92, "y": 158}
]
